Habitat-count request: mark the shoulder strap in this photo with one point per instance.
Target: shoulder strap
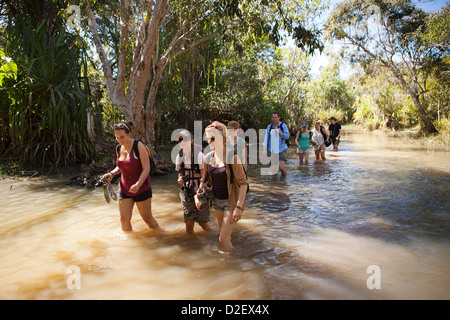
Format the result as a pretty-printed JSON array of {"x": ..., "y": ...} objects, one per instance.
[
  {"x": 281, "y": 128},
  {"x": 136, "y": 153},
  {"x": 194, "y": 158},
  {"x": 268, "y": 133},
  {"x": 135, "y": 148},
  {"x": 180, "y": 154},
  {"x": 321, "y": 131},
  {"x": 118, "y": 150}
]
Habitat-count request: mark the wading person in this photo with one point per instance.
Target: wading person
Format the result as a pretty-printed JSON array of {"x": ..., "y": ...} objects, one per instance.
[
  {"x": 135, "y": 185},
  {"x": 236, "y": 144},
  {"x": 302, "y": 141},
  {"x": 228, "y": 182},
  {"x": 190, "y": 166},
  {"x": 335, "y": 132},
  {"x": 320, "y": 135},
  {"x": 277, "y": 130}
]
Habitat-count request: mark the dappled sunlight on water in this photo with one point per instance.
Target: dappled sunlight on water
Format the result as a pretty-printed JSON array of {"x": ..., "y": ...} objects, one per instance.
[{"x": 310, "y": 235}]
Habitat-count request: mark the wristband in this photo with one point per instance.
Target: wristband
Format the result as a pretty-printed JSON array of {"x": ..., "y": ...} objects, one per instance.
[{"x": 239, "y": 208}]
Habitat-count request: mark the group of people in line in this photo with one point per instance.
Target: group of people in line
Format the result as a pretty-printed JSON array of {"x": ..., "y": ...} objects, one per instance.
[
  {"x": 217, "y": 179},
  {"x": 319, "y": 138},
  {"x": 206, "y": 180}
]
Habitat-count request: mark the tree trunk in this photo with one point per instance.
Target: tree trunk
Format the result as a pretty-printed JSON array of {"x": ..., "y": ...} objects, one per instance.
[
  {"x": 98, "y": 143},
  {"x": 425, "y": 121},
  {"x": 144, "y": 72}
]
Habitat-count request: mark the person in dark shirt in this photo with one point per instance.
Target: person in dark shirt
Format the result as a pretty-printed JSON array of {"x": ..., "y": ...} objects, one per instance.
[{"x": 335, "y": 132}]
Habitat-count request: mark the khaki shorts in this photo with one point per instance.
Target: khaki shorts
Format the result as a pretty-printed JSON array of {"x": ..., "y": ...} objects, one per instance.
[
  {"x": 282, "y": 155},
  {"x": 321, "y": 147},
  {"x": 305, "y": 152}
]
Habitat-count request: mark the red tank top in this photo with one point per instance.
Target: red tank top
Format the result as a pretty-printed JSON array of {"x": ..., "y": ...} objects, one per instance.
[{"x": 131, "y": 169}]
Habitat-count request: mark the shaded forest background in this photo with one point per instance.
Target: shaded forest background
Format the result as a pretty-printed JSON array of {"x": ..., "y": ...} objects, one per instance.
[{"x": 210, "y": 60}]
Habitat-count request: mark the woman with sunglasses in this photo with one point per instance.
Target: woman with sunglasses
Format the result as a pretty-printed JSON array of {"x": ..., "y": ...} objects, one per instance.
[
  {"x": 135, "y": 184},
  {"x": 229, "y": 193}
]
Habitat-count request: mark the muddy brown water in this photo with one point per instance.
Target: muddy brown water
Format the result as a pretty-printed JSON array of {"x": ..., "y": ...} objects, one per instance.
[{"x": 378, "y": 201}]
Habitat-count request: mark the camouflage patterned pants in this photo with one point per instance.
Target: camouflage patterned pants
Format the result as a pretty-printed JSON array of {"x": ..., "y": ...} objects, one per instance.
[{"x": 191, "y": 211}]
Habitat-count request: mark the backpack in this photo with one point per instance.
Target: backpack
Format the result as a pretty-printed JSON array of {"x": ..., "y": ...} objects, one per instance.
[
  {"x": 279, "y": 126},
  {"x": 136, "y": 152},
  {"x": 195, "y": 167},
  {"x": 327, "y": 142}
]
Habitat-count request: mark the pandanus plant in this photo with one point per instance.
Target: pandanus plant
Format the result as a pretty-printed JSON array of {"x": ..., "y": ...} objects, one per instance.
[{"x": 48, "y": 97}]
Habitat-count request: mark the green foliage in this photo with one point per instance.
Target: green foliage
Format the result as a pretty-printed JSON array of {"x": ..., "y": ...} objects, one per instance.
[
  {"x": 444, "y": 127},
  {"x": 329, "y": 96},
  {"x": 380, "y": 98},
  {"x": 241, "y": 74},
  {"x": 8, "y": 68},
  {"x": 46, "y": 117},
  {"x": 397, "y": 40},
  {"x": 367, "y": 113},
  {"x": 437, "y": 31},
  {"x": 268, "y": 20}
]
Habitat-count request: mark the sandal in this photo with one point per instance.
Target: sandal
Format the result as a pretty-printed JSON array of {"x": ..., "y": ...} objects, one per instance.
[
  {"x": 111, "y": 192},
  {"x": 106, "y": 193}
]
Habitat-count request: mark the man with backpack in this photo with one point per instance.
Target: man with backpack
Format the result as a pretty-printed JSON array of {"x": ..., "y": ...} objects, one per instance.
[{"x": 277, "y": 130}]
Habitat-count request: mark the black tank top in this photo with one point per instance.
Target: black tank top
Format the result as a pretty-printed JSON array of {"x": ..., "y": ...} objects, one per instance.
[{"x": 219, "y": 181}]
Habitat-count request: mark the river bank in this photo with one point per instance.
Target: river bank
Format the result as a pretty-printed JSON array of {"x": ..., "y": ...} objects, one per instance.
[
  {"x": 85, "y": 175},
  {"x": 413, "y": 136}
]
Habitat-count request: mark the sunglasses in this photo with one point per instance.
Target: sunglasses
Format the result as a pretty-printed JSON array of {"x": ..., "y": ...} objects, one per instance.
[
  {"x": 210, "y": 139},
  {"x": 121, "y": 126},
  {"x": 181, "y": 139}
]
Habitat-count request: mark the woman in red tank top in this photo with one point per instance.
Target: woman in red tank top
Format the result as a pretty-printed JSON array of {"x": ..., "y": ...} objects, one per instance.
[{"x": 135, "y": 184}]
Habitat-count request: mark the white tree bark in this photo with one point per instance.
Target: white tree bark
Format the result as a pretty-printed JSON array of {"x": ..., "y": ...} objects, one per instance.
[{"x": 146, "y": 68}]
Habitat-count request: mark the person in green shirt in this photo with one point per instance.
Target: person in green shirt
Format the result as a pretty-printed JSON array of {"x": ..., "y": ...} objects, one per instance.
[{"x": 302, "y": 142}]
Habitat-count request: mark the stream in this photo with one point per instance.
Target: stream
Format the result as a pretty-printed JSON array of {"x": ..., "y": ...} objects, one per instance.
[{"x": 370, "y": 222}]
